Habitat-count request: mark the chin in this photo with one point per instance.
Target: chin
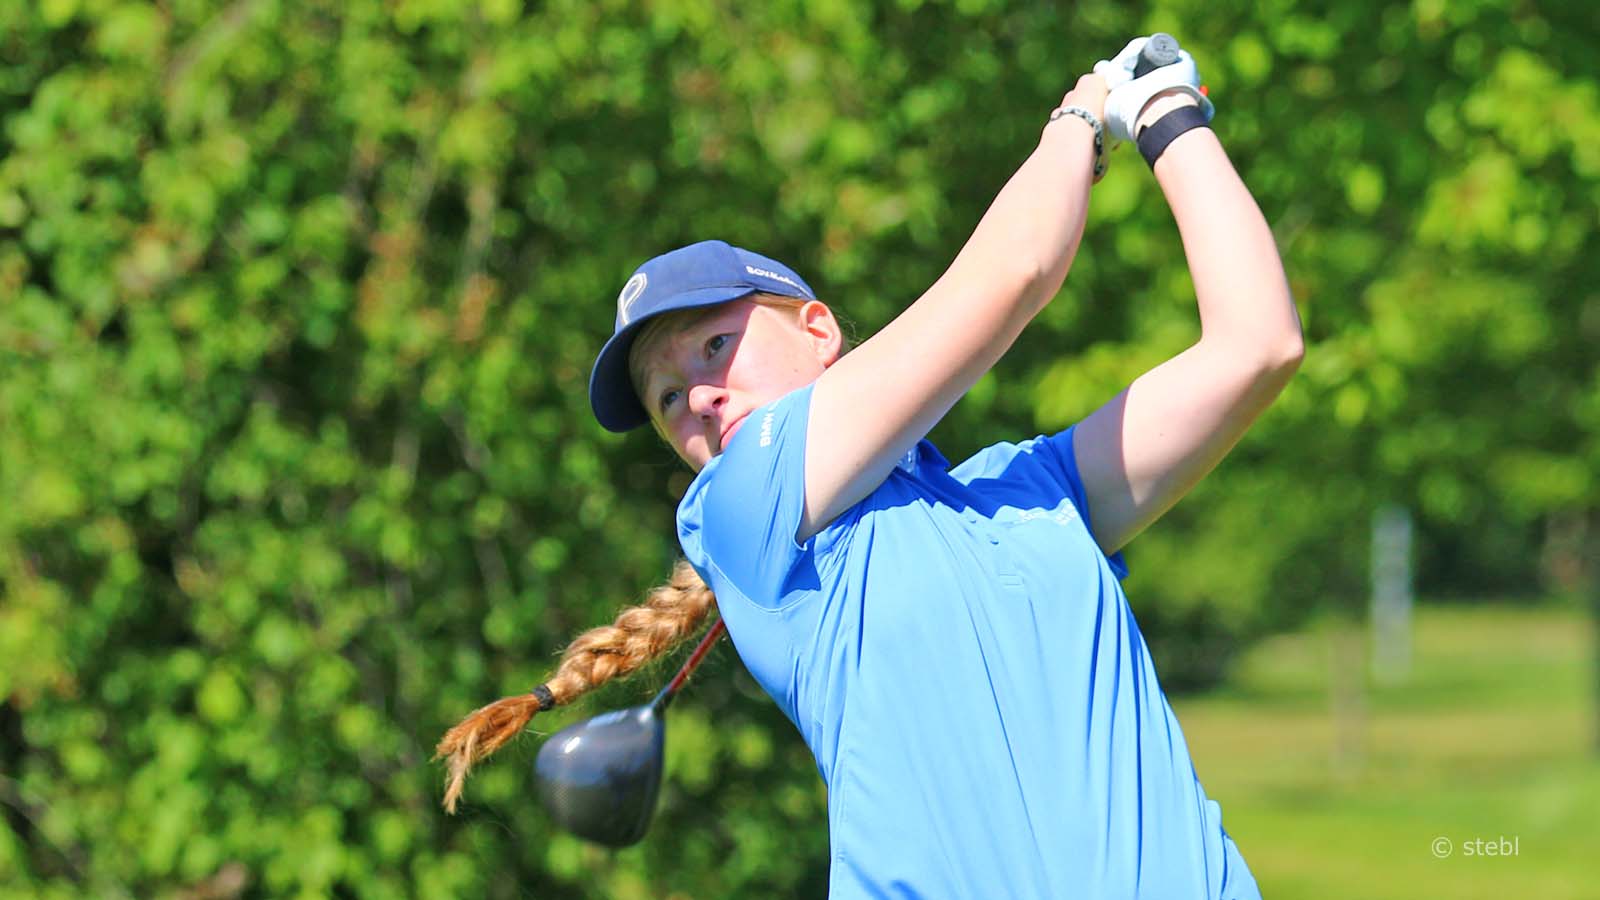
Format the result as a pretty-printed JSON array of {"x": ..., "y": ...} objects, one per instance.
[{"x": 697, "y": 457}]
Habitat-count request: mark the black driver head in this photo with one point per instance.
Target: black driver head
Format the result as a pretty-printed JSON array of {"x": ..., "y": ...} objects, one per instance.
[{"x": 599, "y": 778}]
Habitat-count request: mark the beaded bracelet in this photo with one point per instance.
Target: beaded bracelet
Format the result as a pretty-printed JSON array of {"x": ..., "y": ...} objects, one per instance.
[{"x": 1099, "y": 134}]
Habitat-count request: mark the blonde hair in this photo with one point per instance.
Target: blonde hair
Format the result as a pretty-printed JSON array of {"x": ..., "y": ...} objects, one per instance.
[{"x": 671, "y": 613}]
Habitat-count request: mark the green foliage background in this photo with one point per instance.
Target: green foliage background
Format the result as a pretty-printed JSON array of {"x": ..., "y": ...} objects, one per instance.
[{"x": 297, "y": 305}]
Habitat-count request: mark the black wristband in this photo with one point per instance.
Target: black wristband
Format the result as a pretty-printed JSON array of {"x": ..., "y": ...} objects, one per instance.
[
  {"x": 1153, "y": 140},
  {"x": 546, "y": 699}
]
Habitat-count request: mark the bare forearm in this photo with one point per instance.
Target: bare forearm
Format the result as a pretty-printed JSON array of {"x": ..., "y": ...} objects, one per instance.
[{"x": 1238, "y": 277}]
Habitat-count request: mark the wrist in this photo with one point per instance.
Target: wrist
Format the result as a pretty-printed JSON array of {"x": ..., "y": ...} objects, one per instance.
[
  {"x": 1163, "y": 103},
  {"x": 1153, "y": 141},
  {"x": 1090, "y": 121}
]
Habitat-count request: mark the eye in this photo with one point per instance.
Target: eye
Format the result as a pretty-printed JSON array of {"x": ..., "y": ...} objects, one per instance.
[
  {"x": 668, "y": 397},
  {"x": 716, "y": 343}
]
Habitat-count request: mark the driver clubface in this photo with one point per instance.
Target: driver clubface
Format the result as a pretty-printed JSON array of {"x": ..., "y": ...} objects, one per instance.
[{"x": 599, "y": 778}]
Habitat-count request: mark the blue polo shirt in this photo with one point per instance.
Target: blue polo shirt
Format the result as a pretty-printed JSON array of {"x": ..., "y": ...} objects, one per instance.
[{"x": 959, "y": 656}]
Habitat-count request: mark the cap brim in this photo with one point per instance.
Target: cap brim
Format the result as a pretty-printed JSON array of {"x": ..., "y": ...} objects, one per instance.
[{"x": 611, "y": 393}]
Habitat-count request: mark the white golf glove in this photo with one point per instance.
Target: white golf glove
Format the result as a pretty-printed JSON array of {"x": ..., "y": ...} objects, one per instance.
[
  {"x": 1118, "y": 70},
  {"x": 1129, "y": 94}
]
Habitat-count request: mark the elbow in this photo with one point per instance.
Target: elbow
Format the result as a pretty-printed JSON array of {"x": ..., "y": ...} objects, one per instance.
[
  {"x": 1283, "y": 359},
  {"x": 1271, "y": 357},
  {"x": 1278, "y": 361},
  {"x": 1280, "y": 349},
  {"x": 1267, "y": 361},
  {"x": 1267, "y": 368},
  {"x": 1292, "y": 344}
]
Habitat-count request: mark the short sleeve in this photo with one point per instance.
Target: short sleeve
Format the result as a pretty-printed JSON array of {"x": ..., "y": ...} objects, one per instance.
[
  {"x": 1057, "y": 450},
  {"x": 1048, "y": 463},
  {"x": 742, "y": 512}
]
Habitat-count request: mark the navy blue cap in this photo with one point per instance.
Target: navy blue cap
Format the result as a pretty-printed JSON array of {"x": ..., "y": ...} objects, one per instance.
[{"x": 702, "y": 274}]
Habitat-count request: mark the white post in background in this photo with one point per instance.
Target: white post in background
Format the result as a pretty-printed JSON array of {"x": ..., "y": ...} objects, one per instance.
[{"x": 1391, "y": 594}]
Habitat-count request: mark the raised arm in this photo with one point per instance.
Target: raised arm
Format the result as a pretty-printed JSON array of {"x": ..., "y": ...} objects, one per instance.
[
  {"x": 876, "y": 402},
  {"x": 1142, "y": 451}
]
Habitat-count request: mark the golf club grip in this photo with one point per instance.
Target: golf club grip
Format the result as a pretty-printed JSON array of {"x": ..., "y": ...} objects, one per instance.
[{"x": 1160, "y": 50}]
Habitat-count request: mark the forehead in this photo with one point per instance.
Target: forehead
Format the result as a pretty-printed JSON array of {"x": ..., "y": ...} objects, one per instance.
[{"x": 662, "y": 333}]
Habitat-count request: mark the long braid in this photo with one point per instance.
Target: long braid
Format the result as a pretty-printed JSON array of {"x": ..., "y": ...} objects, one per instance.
[{"x": 672, "y": 612}]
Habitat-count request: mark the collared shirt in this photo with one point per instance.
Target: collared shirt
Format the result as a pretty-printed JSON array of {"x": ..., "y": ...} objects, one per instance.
[{"x": 959, "y": 656}]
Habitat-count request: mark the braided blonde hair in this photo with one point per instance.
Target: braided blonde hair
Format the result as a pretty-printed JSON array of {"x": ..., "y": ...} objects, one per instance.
[{"x": 672, "y": 612}]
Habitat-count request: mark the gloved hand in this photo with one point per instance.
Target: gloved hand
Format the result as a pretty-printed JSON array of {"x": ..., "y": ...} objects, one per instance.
[{"x": 1129, "y": 94}]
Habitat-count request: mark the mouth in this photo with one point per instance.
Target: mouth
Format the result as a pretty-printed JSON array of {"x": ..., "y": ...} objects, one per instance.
[{"x": 729, "y": 432}]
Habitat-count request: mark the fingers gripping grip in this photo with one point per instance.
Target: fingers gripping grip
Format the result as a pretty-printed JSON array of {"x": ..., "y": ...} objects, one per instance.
[{"x": 1145, "y": 68}]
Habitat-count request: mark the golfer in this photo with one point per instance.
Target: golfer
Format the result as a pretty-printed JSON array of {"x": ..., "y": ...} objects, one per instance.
[{"x": 952, "y": 641}]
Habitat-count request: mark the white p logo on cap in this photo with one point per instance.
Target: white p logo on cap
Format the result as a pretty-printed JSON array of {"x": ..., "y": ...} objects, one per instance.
[{"x": 630, "y": 293}]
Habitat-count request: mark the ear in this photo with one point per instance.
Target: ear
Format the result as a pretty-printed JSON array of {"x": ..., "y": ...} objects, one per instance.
[{"x": 827, "y": 337}]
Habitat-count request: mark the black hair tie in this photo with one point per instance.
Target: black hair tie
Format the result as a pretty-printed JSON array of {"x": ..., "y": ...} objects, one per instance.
[{"x": 546, "y": 699}]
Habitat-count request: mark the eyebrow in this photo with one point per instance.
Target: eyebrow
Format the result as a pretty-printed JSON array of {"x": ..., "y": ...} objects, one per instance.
[{"x": 698, "y": 318}]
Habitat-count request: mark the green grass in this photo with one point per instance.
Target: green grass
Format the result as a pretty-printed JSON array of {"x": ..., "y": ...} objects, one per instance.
[{"x": 1492, "y": 734}]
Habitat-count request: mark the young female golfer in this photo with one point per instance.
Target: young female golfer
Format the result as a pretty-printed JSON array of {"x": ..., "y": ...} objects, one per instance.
[{"x": 952, "y": 641}]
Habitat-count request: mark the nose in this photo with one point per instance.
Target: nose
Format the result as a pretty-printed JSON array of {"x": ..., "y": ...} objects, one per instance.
[{"x": 707, "y": 400}]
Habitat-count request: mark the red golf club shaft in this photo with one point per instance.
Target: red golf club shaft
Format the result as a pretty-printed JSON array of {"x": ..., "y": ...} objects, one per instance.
[{"x": 690, "y": 664}]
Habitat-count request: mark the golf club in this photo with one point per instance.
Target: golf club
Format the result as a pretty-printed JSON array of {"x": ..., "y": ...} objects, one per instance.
[
  {"x": 599, "y": 778},
  {"x": 1160, "y": 50}
]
